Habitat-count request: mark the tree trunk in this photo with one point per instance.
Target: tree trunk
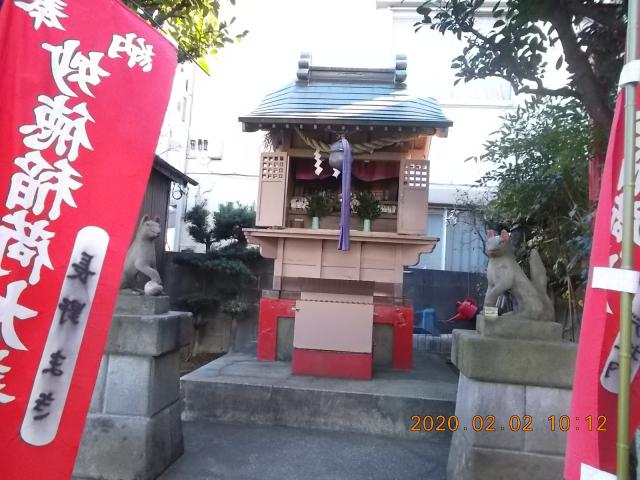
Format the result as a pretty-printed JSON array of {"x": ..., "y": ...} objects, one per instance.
[{"x": 594, "y": 96}]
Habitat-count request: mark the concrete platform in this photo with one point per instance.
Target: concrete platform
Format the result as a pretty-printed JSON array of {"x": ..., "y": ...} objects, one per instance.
[
  {"x": 215, "y": 451},
  {"x": 237, "y": 388}
]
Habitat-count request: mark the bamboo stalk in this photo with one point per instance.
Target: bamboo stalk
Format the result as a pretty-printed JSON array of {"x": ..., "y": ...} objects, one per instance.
[{"x": 622, "y": 444}]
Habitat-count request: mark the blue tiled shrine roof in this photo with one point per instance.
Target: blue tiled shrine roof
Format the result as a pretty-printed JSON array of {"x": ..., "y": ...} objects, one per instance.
[{"x": 346, "y": 103}]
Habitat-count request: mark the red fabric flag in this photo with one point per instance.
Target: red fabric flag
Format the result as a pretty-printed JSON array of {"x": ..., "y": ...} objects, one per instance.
[
  {"x": 594, "y": 399},
  {"x": 83, "y": 91}
]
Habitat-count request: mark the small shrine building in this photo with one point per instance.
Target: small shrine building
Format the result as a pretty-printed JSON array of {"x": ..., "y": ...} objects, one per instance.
[{"x": 340, "y": 312}]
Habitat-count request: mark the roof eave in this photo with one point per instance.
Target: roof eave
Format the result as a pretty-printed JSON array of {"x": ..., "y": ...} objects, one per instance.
[
  {"x": 252, "y": 124},
  {"x": 169, "y": 171}
]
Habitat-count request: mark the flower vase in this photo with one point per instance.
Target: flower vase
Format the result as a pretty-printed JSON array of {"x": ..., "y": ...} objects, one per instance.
[
  {"x": 315, "y": 223},
  {"x": 366, "y": 225}
]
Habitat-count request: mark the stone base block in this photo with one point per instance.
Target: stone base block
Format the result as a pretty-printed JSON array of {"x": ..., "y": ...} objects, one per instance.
[
  {"x": 504, "y": 327},
  {"x": 507, "y": 390},
  {"x": 119, "y": 447},
  {"x": 140, "y": 385},
  {"x": 516, "y": 416},
  {"x": 467, "y": 462},
  {"x": 149, "y": 334},
  {"x": 130, "y": 304},
  {"x": 524, "y": 362}
]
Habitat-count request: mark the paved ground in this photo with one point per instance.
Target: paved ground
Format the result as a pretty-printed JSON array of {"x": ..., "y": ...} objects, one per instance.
[{"x": 240, "y": 452}]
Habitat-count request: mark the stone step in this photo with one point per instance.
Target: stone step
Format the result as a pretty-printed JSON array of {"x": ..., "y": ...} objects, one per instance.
[{"x": 237, "y": 388}]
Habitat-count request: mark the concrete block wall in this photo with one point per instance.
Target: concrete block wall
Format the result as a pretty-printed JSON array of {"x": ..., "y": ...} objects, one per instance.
[
  {"x": 214, "y": 336},
  {"x": 133, "y": 430}
]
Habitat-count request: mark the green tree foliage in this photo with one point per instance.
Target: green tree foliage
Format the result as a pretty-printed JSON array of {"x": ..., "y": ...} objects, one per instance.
[
  {"x": 226, "y": 267},
  {"x": 230, "y": 219},
  {"x": 540, "y": 161},
  {"x": 591, "y": 34},
  {"x": 194, "y": 24},
  {"x": 198, "y": 224}
]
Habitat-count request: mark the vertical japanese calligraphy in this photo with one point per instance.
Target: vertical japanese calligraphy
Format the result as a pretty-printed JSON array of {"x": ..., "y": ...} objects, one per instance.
[
  {"x": 4, "y": 398},
  {"x": 47, "y": 12},
  {"x": 82, "y": 96},
  {"x": 135, "y": 48},
  {"x": 10, "y": 310},
  {"x": 66, "y": 333}
]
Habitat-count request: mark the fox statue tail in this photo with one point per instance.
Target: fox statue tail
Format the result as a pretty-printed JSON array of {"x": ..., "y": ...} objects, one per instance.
[{"x": 539, "y": 277}]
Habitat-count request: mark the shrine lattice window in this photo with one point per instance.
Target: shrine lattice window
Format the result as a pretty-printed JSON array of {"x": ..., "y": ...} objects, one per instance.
[
  {"x": 273, "y": 167},
  {"x": 416, "y": 175}
]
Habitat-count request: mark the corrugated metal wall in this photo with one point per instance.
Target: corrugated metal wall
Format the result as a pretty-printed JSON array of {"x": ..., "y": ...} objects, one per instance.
[
  {"x": 460, "y": 244},
  {"x": 434, "y": 259},
  {"x": 464, "y": 249}
]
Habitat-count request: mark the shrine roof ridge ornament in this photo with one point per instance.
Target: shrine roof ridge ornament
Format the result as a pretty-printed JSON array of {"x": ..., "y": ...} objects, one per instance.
[
  {"x": 373, "y": 97},
  {"x": 389, "y": 76}
]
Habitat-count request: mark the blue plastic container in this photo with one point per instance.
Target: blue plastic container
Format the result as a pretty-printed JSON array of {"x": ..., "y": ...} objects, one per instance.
[{"x": 424, "y": 321}]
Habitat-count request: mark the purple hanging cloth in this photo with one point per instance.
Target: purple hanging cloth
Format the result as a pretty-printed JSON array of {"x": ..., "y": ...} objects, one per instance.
[{"x": 345, "y": 211}]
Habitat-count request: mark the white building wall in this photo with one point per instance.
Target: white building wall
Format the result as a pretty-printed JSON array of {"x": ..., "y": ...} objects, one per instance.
[
  {"x": 475, "y": 108},
  {"x": 172, "y": 144},
  {"x": 174, "y": 137}
]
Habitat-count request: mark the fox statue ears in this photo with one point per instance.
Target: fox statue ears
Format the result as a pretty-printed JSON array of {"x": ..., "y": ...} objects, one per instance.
[
  {"x": 504, "y": 235},
  {"x": 146, "y": 218}
]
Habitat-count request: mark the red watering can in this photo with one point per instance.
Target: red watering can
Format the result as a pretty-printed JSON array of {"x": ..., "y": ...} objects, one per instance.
[{"x": 466, "y": 310}]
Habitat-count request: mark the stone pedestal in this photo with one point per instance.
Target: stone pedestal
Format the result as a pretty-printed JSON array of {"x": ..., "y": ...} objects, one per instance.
[
  {"x": 518, "y": 382},
  {"x": 133, "y": 430}
]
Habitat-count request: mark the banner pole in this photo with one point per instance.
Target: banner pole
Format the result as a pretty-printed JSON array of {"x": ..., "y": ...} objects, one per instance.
[{"x": 622, "y": 444}]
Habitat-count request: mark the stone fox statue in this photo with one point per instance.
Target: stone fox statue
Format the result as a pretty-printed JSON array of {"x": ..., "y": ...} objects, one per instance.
[
  {"x": 141, "y": 258},
  {"x": 504, "y": 273}
]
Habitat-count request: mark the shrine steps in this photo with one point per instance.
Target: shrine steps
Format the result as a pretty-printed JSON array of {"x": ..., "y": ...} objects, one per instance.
[{"x": 238, "y": 388}]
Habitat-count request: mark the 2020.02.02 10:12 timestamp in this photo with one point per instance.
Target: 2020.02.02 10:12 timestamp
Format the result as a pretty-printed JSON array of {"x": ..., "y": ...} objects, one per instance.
[{"x": 514, "y": 423}]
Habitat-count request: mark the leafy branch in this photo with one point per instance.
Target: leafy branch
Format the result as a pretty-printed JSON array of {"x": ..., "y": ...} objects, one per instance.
[
  {"x": 194, "y": 24},
  {"x": 516, "y": 47}
]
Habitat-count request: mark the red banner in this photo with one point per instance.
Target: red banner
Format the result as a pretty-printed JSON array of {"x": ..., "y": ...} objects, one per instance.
[
  {"x": 83, "y": 91},
  {"x": 594, "y": 399}
]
